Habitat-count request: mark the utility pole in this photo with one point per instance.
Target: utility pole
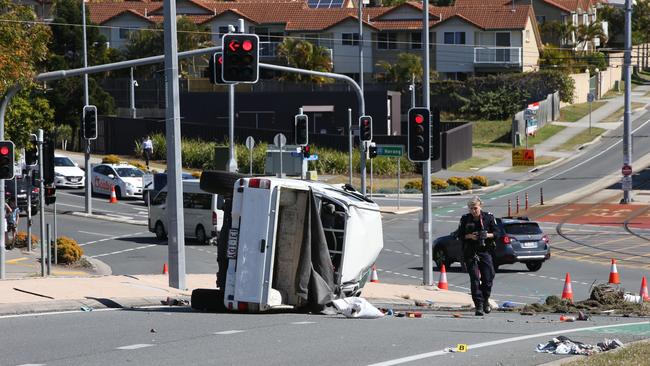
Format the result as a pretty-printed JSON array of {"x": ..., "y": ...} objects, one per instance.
[
  {"x": 132, "y": 84},
  {"x": 41, "y": 203},
  {"x": 427, "y": 269},
  {"x": 627, "y": 128},
  {"x": 362, "y": 145},
  {"x": 89, "y": 204}
]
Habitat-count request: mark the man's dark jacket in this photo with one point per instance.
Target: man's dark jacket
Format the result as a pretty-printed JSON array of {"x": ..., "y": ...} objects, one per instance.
[{"x": 468, "y": 225}]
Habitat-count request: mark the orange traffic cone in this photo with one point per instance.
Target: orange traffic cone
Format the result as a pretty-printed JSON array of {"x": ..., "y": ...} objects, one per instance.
[
  {"x": 644, "y": 290},
  {"x": 113, "y": 198},
  {"x": 613, "y": 274},
  {"x": 165, "y": 271},
  {"x": 442, "y": 283},
  {"x": 567, "y": 292},
  {"x": 373, "y": 275}
]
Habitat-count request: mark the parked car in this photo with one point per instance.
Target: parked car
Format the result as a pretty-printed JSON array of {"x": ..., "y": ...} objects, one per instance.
[
  {"x": 520, "y": 240},
  {"x": 159, "y": 182},
  {"x": 24, "y": 186},
  {"x": 67, "y": 173},
  {"x": 126, "y": 179}
]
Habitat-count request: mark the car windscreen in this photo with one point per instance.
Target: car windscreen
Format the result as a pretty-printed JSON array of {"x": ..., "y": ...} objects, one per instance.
[
  {"x": 62, "y": 161},
  {"x": 528, "y": 228},
  {"x": 129, "y": 172}
]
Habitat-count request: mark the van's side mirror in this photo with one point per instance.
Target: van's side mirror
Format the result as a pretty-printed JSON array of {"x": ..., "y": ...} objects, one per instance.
[
  {"x": 111, "y": 176},
  {"x": 220, "y": 203}
]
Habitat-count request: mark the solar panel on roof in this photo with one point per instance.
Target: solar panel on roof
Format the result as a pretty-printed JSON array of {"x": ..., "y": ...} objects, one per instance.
[{"x": 325, "y": 4}]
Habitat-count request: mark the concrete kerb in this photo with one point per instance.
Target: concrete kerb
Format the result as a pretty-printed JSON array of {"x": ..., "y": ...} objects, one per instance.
[
  {"x": 87, "y": 304},
  {"x": 108, "y": 218}
]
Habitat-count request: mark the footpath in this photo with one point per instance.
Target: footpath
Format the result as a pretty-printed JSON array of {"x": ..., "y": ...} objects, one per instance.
[{"x": 93, "y": 286}]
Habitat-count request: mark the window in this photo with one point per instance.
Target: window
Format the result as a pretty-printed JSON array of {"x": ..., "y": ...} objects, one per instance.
[
  {"x": 527, "y": 35},
  {"x": 454, "y": 38},
  {"x": 350, "y": 39},
  {"x": 159, "y": 199},
  {"x": 129, "y": 172},
  {"x": 62, "y": 161},
  {"x": 224, "y": 30},
  {"x": 387, "y": 41},
  {"x": 124, "y": 33},
  {"x": 541, "y": 19},
  {"x": 416, "y": 41},
  {"x": 523, "y": 229}
]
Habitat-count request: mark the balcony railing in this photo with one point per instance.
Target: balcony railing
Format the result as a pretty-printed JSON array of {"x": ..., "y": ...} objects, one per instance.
[
  {"x": 494, "y": 56},
  {"x": 269, "y": 49}
]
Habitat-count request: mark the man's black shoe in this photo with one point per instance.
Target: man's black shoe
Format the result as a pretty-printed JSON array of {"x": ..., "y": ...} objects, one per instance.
[
  {"x": 478, "y": 312},
  {"x": 486, "y": 308}
]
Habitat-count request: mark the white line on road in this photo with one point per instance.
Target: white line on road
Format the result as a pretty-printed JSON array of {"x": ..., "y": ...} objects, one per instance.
[
  {"x": 136, "y": 346},
  {"x": 421, "y": 356},
  {"x": 226, "y": 332},
  {"x": 32, "y": 364},
  {"x": 111, "y": 238},
  {"x": 91, "y": 233},
  {"x": 300, "y": 323},
  {"x": 124, "y": 251}
]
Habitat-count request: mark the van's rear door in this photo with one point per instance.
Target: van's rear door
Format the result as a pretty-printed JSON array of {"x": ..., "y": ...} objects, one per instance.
[{"x": 257, "y": 230}]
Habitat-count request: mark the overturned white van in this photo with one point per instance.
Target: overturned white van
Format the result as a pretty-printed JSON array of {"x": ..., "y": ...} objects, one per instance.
[{"x": 291, "y": 243}]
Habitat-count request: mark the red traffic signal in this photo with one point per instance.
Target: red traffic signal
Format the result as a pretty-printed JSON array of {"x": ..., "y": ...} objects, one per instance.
[
  {"x": 365, "y": 128},
  {"x": 419, "y": 134},
  {"x": 419, "y": 118},
  {"x": 240, "y": 58},
  {"x": 306, "y": 151},
  {"x": 6, "y": 160},
  {"x": 215, "y": 65}
]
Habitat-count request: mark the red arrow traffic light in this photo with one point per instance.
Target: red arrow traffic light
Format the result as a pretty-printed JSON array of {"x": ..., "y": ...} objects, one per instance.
[
  {"x": 247, "y": 45},
  {"x": 233, "y": 45}
]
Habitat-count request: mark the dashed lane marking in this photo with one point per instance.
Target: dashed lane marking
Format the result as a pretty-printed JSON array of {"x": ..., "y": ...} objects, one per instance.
[
  {"x": 227, "y": 332},
  {"x": 135, "y": 346},
  {"x": 93, "y": 233},
  {"x": 32, "y": 364},
  {"x": 124, "y": 251},
  {"x": 111, "y": 238},
  {"x": 399, "y": 252},
  {"x": 301, "y": 323}
]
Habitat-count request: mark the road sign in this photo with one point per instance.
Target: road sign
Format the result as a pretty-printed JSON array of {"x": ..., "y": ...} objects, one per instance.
[
  {"x": 147, "y": 182},
  {"x": 312, "y": 157},
  {"x": 390, "y": 150},
  {"x": 626, "y": 170},
  {"x": 250, "y": 142},
  {"x": 523, "y": 157},
  {"x": 590, "y": 97},
  {"x": 280, "y": 140},
  {"x": 626, "y": 183}
]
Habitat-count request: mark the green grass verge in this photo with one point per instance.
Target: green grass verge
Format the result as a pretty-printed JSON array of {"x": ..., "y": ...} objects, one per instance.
[
  {"x": 581, "y": 138},
  {"x": 496, "y": 145},
  {"x": 574, "y": 112},
  {"x": 487, "y": 132},
  {"x": 475, "y": 163},
  {"x": 540, "y": 160},
  {"x": 542, "y": 135},
  {"x": 632, "y": 354},
  {"x": 616, "y": 116}
]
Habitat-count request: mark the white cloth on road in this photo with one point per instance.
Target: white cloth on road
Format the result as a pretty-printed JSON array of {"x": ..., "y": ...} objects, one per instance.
[{"x": 357, "y": 307}]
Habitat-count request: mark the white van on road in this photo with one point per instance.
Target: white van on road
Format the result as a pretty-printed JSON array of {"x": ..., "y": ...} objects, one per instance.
[
  {"x": 292, "y": 243},
  {"x": 201, "y": 212}
]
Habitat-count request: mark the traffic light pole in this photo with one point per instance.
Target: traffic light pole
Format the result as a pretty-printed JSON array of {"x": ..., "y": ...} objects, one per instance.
[
  {"x": 41, "y": 195},
  {"x": 427, "y": 269},
  {"x": 88, "y": 198},
  {"x": 627, "y": 115}
]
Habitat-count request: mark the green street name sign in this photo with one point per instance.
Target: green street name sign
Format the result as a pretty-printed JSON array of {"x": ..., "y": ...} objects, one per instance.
[{"x": 390, "y": 150}]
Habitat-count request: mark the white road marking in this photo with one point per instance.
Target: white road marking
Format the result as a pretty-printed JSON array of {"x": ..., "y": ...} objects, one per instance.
[
  {"x": 124, "y": 251},
  {"x": 135, "y": 346},
  {"x": 422, "y": 356},
  {"x": 300, "y": 323},
  {"x": 226, "y": 332},
  {"x": 66, "y": 204},
  {"x": 91, "y": 233},
  {"x": 32, "y": 364},
  {"x": 111, "y": 238},
  {"x": 56, "y": 313}
]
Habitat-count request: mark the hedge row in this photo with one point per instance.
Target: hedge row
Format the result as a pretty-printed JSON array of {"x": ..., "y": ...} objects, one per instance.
[{"x": 451, "y": 184}]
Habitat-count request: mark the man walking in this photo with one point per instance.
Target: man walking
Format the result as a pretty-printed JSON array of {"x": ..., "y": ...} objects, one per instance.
[
  {"x": 478, "y": 231},
  {"x": 147, "y": 149}
]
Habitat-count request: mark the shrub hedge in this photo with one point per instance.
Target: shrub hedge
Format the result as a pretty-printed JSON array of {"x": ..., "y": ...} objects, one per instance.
[
  {"x": 21, "y": 239},
  {"x": 68, "y": 250}
]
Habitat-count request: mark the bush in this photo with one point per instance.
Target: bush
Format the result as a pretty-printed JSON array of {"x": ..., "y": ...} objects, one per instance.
[
  {"x": 460, "y": 182},
  {"x": 21, "y": 239},
  {"x": 138, "y": 165},
  {"x": 68, "y": 251},
  {"x": 479, "y": 180},
  {"x": 111, "y": 159},
  {"x": 438, "y": 184},
  {"x": 414, "y": 184}
]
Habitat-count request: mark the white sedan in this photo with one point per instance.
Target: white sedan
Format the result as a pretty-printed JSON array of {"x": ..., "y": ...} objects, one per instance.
[
  {"x": 126, "y": 179},
  {"x": 67, "y": 173}
]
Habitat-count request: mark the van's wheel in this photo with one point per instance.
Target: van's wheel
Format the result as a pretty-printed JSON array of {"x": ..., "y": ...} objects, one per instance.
[
  {"x": 118, "y": 193},
  {"x": 200, "y": 235},
  {"x": 534, "y": 266},
  {"x": 160, "y": 231},
  {"x": 219, "y": 181},
  {"x": 209, "y": 300}
]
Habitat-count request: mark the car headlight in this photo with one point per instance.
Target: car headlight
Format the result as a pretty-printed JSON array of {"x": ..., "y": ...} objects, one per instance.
[
  {"x": 129, "y": 185},
  {"x": 59, "y": 174}
]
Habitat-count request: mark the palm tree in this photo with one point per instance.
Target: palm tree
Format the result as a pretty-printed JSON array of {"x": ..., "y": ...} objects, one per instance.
[
  {"x": 303, "y": 54},
  {"x": 403, "y": 70},
  {"x": 586, "y": 34}
]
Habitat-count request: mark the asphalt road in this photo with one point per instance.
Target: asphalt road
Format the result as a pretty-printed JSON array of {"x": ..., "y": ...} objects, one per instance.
[{"x": 167, "y": 336}]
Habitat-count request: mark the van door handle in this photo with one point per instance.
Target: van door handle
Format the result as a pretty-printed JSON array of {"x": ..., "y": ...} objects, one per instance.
[{"x": 262, "y": 245}]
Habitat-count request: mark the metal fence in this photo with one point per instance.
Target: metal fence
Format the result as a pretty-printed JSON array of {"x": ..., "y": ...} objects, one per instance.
[{"x": 549, "y": 111}]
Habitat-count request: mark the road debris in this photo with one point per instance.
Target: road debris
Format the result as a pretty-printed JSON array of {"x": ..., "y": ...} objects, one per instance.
[
  {"x": 562, "y": 345},
  {"x": 357, "y": 307},
  {"x": 86, "y": 308},
  {"x": 174, "y": 302}
]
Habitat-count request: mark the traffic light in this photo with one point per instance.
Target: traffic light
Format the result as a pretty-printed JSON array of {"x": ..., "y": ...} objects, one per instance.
[
  {"x": 90, "y": 122},
  {"x": 214, "y": 68},
  {"x": 301, "y": 129},
  {"x": 48, "y": 162},
  {"x": 372, "y": 150},
  {"x": 306, "y": 151},
  {"x": 6, "y": 160},
  {"x": 50, "y": 195},
  {"x": 240, "y": 58},
  {"x": 419, "y": 133},
  {"x": 365, "y": 128},
  {"x": 31, "y": 154}
]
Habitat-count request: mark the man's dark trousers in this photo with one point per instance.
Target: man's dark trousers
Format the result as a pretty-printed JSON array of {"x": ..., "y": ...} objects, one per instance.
[{"x": 481, "y": 275}]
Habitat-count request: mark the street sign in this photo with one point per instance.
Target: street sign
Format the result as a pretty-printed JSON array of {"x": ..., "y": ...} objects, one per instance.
[
  {"x": 250, "y": 142},
  {"x": 147, "y": 182},
  {"x": 626, "y": 183},
  {"x": 626, "y": 170},
  {"x": 390, "y": 150},
  {"x": 590, "y": 97},
  {"x": 312, "y": 157},
  {"x": 280, "y": 140},
  {"x": 523, "y": 157}
]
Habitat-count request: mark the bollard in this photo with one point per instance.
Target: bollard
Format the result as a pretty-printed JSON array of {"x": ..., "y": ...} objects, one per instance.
[
  {"x": 541, "y": 196},
  {"x": 526, "y": 203},
  {"x": 517, "y": 205},
  {"x": 509, "y": 205}
]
